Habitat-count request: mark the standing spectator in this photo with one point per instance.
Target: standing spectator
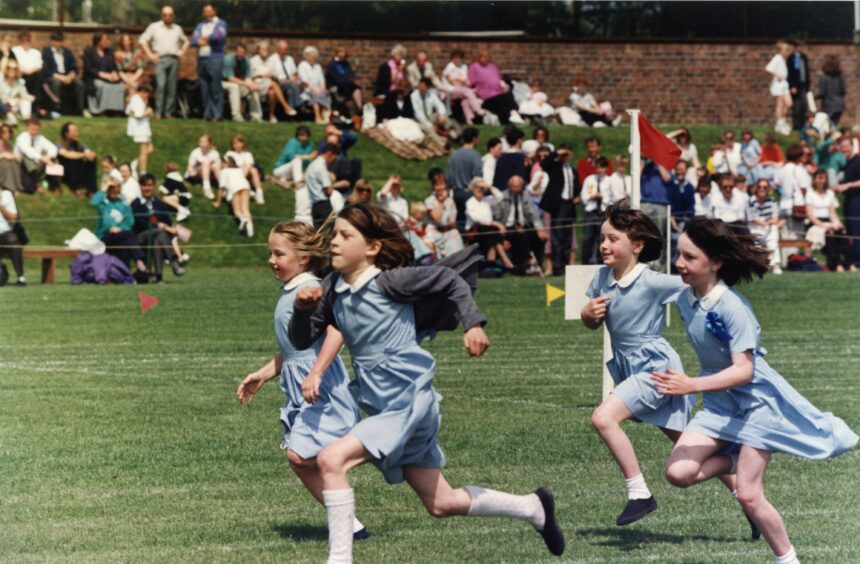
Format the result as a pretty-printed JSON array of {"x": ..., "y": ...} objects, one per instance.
[
  {"x": 620, "y": 182},
  {"x": 340, "y": 76},
  {"x": 204, "y": 166},
  {"x": 60, "y": 76},
  {"x": 585, "y": 165},
  {"x": 422, "y": 68},
  {"x": 36, "y": 153},
  {"x": 486, "y": 78},
  {"x": 595, "y": 188},
  {"x": 463, "y": 165},
  {"x": 139, "y": 112},
  {"x": 10, "y": 163},
  {"x": 390, "y": 73},
  {"x": 129, "y": 189},
  {"x": 236, "y": 80},
  {"x": 285, "y": 71},
  {"x": 155, "y": 230},
  {"x": 8, "y": 219},
  {"x": 164, "y": 44},
  {"x": 798, "y": 84},
  {"x": 114, "y": 227},
  {"x": 313, "y": 83},
  {"x": 682, "y": 199},
  {"x": 524, "y": 229},
  {"x": 14, "y": 95},
  {"x": 489, "y": 160},
  {"x": 771, "y": 158},
  {"x": 749, "y": 166},
  {"x": 851, "y": 200},
  {"x": 831, "y": 89},
  {"x": 779, "y": 89},
  {"x": 210, "y": 38},
  {"x": 654, "y": 196},
  {"x": 442, "y": 218},
  {"x": 267, "y": 83},
  {"x": 295, "y": 157},
  {"x": 560, "y": 198},
  {"x": 821, "y": 204},
  {"x": 764, "y": 221},
  {"x": 79, "y": 162},
  {"x": 732, "y": 151},
  {"x": 244, "y": 159},
  {"x": 455, "y": 82},
  {"x": 30, "y": 64},
  {"x": 541, "y": 135},
  {"x": 318, "y": 183},
  {"x": 793, "y": 181},
  {"x": 129, "y": 62},
  {"x": 731, "y": 205},
  {"x": 512, "y": 162},
  {"x": 830, "y": 158},
  {"x": 102, "y": 81}
]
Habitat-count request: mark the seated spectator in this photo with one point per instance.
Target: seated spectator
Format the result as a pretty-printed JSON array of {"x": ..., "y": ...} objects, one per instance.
[
  {"x": 318, "y": 184},
  {"x": 620, "y": 181},
  {"x": 589, "y": 111},
  {"x": 109, "y": 172},
  {"x": 703, "y": 206},
  {"x": 390, "y": 73},
  {"x": 269, "y": 87},
  {"x": 343, "y": 170},
  {"x": 204, "y": 166},
  {"x": 129, "y": 188},
  {"x": 340, "y": 77},
  {"x": 390, "y": 200},
  {"x": 486, "y": 78},
  {"x": 14, "y": 95},
  {"x": 295, "y": 157},
  {"x": 314, "y": 89},
  {"x": 155, "y": 230},
  {"x": 174, "y": 192},
  {"x": 764, "y": 221},
  {"x": 30, "y": 64},
  {"x": 422, "y": 68},
  {"x": 455, "y": 83},
  {"x": 37, "y": 154},
  {"x": 585, "y": 165},
  {"x": 732, "y": 151},
  {"x": 8, "y": 237},
  {"x": 417, "y": 228},
  {"x": 61, "y": 78},
  {"x": 237, "y": 83},
  {"x": 79, "y": 163},
  {"x": 793, "y": 182},
  {"x": 513, "y": 161},
  {"x": 731, "y": 205},
  {"x": 10, "y": 162},
  {"x": 6, "y": 53},
  {"x": 524, "y": 229},
  {"x": 749, "y": 166},
  {"x": 430, "y": 112},
  {"x": 104, "y": 86},
  {"x": 129, "y": 62},
  {"x": 245, "y": 160},
  {"x": 483, "y": 228},
  {"x": 489, "y": 160},
  {"x": 541, "y": 135},
  {"x": 361, "y": 193},
  {"x": 233, "y": 184},
  {"x": 771, "y": 158},
  {"x": 536, "y": 105},
  {"x": 114, "y": 227},
  {"x": 821, "y": 204},
  {"x": 398, "y": 103},
  {"x": 287, "y": 74},
  {"x": 442, "y": 219}
]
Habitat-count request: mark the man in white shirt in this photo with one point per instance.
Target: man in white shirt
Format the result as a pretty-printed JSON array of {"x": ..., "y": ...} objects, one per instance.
[
  {"x": 8, "y": 218},
  {"x": 793, "y": 182},
  {"x": 318, "y": 183},
  {"x": 164, "y": 43},
  {"x": 30, "y": 64},
  {"x": 286, "y": 72},
  {"x": 37, "y": 153},
  {"x": 488, "y": 161},
  {"x": 731, "y": 205},
  {"x": 429, "y": 109}
]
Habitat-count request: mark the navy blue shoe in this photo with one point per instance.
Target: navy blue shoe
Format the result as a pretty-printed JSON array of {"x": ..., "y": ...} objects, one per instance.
[
  {"x": 755, "y": 534},
  {"x": 635, "y": 510},
  {"x": 551, "y": 532},
  {"x": 363, "y": 534}
]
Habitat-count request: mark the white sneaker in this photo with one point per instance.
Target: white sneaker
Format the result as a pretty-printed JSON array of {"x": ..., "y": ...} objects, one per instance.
[
  {"x": 258, "y": 197},
  {"x": 249, "y": 230},
  {"x": 617, "y": 121},
  {"x": 516, "y": 118},
  {"x": 207, "y": 191},
  {"x": 134, "y": 169},
  {"x": 87, "y": 113},
  {"x": 598, "y": 124},
  {"x": 182, "y": 214},
  {"x": 776, "y": 270}
]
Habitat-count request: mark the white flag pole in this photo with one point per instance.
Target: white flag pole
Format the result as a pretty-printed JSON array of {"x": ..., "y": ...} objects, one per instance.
[
  {"x": 668, "y": 257},
  {"x": 635, "y": 157}
]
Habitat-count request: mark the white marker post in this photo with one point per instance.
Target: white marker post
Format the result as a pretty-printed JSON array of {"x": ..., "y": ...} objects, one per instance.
[
  {"x": 668, "y": 257},
  {"x": 577, "y": 277},
  {"x": 635, "y": 158}
]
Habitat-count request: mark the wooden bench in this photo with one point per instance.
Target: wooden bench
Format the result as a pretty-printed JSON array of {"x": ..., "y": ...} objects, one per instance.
[
  {"x": 49, "y": 256},
  {"x": 793, "y": 244}
]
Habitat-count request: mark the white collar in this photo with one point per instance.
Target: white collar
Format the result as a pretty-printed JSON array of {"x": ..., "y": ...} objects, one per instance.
[
  {"x": 710, "y": 299},
  {"x": 300, "y": 279},
  {"x": 366, "y": 276},
  {"x": 628, "y": 278}
]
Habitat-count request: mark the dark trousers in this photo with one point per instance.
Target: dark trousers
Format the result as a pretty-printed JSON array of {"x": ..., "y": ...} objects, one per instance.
[
  {"x": 460, "y": 199},
  {"x": 158, "y": 249},
  {"x": 209, "y": 76},
  {"x": 501, "y": 105},
  {"x": 523, "y": 245},
  {"x": 591, "y": 118},
  {"x": 799, "y": 108},
  {"x": 33, "y": 83},
  {"x": 562, "y": 236},
  {"x": 127, "y": 241},
  {"x": 14, "y": 253},
  {"x": 487, "y": 237},
  {"x": 79, "y": 173},
  {"x": 58, "y": 96},
  {"x": 591, "y": 235},
  {"x": 852, "y": 222},
  {"x": 320, "y": 212}
]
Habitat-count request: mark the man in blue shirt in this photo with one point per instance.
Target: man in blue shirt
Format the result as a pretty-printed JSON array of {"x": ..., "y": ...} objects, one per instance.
[
  {"x": 682, "y": 198},
  {"x": 654, "y": 193},
  {"x": 209, "y": 37}
]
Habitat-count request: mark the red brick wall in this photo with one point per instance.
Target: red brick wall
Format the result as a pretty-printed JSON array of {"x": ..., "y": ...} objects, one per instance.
[{"x": 670, "y": 82}]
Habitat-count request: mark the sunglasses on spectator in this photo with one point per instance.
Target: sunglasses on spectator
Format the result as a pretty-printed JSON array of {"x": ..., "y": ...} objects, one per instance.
[{"x": 362, "y": 190}]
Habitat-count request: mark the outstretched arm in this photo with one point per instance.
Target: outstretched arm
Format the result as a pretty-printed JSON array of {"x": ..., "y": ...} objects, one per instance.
[{"x": 255, "y": 380}]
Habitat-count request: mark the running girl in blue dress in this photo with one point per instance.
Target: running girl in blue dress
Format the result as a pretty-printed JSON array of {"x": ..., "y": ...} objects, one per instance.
[
  {"x": 380, "y": 309},
  {"x": 632, "y": 300},
  {"x": 296, "y": 251},
  {"x": 746, "y": 402}
]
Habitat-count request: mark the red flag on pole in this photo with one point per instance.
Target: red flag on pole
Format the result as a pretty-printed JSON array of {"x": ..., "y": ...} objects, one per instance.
[
  {"x": 146, "y": 302},
  {"x": 656, "y": 146}
]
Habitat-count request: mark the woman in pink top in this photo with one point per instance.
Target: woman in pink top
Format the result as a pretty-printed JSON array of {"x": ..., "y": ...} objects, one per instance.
[{"x": 486, "y": 79}]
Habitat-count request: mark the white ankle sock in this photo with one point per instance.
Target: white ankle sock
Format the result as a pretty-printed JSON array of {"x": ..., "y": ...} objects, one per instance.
[
  {"x": 636, "y": 488},
  {"x": 207, "y": 185},
  {"x": 789, "y": 557},
  {"x": 487, "y": 502},
  {"x": 340, "y": 508},
  {"x": 356, "y": 525}
]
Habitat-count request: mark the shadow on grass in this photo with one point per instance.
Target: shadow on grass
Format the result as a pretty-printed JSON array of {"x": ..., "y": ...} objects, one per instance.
[
  {"x": 302, "y": 533},
  {"x": 632, "y": 539}
]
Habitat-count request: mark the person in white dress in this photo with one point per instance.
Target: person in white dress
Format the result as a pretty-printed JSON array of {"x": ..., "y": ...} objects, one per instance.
[
  {"x": 204, "y": 165},
  {"x": 313, "y": 80},
  {"x": 245, "y": 159},
  {"x": 233, "y": 184},
  {"x": 778, "y": 70},
  {"x": 139, "y": 112}
]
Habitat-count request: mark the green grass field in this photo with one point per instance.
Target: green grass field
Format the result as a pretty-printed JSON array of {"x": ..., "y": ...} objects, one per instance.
[{"x": 121, "y": 440}]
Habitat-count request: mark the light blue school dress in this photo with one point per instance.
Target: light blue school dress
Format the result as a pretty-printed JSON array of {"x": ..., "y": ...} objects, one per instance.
[
  {"x": 766, "y": 413},
  {"x": 310, "y": 427},
  {"x": 635, "y": 320},
  {"x": 394, "y": 378}
]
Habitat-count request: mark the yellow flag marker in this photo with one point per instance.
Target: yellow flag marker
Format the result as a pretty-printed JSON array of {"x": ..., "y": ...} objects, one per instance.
[{"x": 552, "y": 294}]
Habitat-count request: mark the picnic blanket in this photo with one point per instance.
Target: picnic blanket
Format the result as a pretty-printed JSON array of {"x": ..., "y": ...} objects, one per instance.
[{"x": 428, "y": 149}]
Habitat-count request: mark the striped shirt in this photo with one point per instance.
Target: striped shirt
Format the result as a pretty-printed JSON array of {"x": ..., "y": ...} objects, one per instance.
[{"x": 765, "y": 210}]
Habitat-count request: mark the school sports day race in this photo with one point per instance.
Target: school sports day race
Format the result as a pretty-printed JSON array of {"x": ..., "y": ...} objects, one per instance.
[{"x": 412, "y": 281}]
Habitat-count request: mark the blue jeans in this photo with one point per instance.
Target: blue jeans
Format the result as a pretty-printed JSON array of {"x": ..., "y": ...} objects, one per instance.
[
  {"x": 209, "y": 75},
  {"x": 292, "y": 93}
]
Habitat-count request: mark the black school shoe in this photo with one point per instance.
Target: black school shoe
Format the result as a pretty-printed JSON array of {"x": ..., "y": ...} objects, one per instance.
[
  {"x": 635, "y": 510},
  {"x": 363, "y": 534},
  {"x": 551, "y": 532},
  {"x": 755, "y": 534}
]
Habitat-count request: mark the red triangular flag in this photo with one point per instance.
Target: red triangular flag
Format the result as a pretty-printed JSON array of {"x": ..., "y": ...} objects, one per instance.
[
  {"x": 656, "y": 146},
  {"x": 146, "y": 302}
]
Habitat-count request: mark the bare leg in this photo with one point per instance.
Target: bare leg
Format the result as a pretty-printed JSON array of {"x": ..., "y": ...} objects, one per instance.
[
  {"x": 693, "y": 461},
  {"x": 255, "y": 179},
  {"x": 504, "y": 256},
  {"x": 727, "y": 479},
  {"x": 271, "y": 97},
  {"x": 440, "y": 499},
  {"x": 752, "y": 464},
  {"x": 308, "y": 472},
  {"x": 606, "y": 420}
]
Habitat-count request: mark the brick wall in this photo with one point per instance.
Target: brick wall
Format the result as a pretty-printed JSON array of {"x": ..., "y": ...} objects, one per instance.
[{"x": 670, "y": 82}]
